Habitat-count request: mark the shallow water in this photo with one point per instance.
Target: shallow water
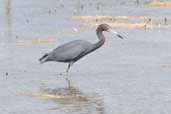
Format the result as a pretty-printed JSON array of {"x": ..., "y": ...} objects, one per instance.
[{"x": 130, "y": 76}]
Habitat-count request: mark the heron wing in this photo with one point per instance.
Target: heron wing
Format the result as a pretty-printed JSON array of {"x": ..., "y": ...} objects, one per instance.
[{"x": 71, "y": 51}]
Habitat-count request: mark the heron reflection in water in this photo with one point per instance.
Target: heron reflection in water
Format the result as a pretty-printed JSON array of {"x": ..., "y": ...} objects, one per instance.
[{"x": 70, "y": 99}]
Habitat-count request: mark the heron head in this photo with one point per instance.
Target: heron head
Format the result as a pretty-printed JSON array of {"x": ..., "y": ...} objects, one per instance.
[
  {"x": 108, "y": 28},
  {"x": 104, "y": 27}
]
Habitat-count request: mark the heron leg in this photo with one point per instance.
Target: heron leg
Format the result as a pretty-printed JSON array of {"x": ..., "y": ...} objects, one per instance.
[
  {"x": 69, "y": 66},
  {"x": 68, "y": 82}
]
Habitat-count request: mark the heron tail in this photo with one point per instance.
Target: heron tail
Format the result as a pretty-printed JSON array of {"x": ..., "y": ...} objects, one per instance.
[{"x": 43, "y": 58}]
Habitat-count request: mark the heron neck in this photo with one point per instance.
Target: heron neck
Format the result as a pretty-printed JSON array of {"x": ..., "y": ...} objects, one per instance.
[{"x": 101, "y": 39}]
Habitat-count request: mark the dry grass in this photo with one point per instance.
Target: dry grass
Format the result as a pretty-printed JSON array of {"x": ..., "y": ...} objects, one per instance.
[
  {"x": 78, "y": 18},
  {"x": 36, "y": 41},
  {"x": 114, "y": 18},
  {"x": 144, "y": 22},
  {"x": 160, "y": 4},
  {"x": 126, "y": 25}
]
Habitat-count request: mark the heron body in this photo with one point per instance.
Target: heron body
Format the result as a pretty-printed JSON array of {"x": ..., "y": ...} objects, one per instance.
[{"x": 73, "y": 51}]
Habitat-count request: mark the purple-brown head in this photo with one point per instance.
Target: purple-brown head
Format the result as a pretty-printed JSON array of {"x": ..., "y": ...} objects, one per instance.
[{"x": 108, "y": 28}]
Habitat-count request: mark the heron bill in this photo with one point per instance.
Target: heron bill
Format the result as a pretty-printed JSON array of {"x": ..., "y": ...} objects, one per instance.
[{"x": 114, "y": 32}]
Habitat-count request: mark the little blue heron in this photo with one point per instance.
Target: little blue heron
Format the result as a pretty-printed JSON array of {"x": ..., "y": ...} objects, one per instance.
[{"x": 75, "y": 50}]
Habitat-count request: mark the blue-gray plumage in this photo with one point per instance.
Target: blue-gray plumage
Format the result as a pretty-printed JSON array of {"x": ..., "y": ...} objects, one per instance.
[{"x": 75, "y": 50}]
